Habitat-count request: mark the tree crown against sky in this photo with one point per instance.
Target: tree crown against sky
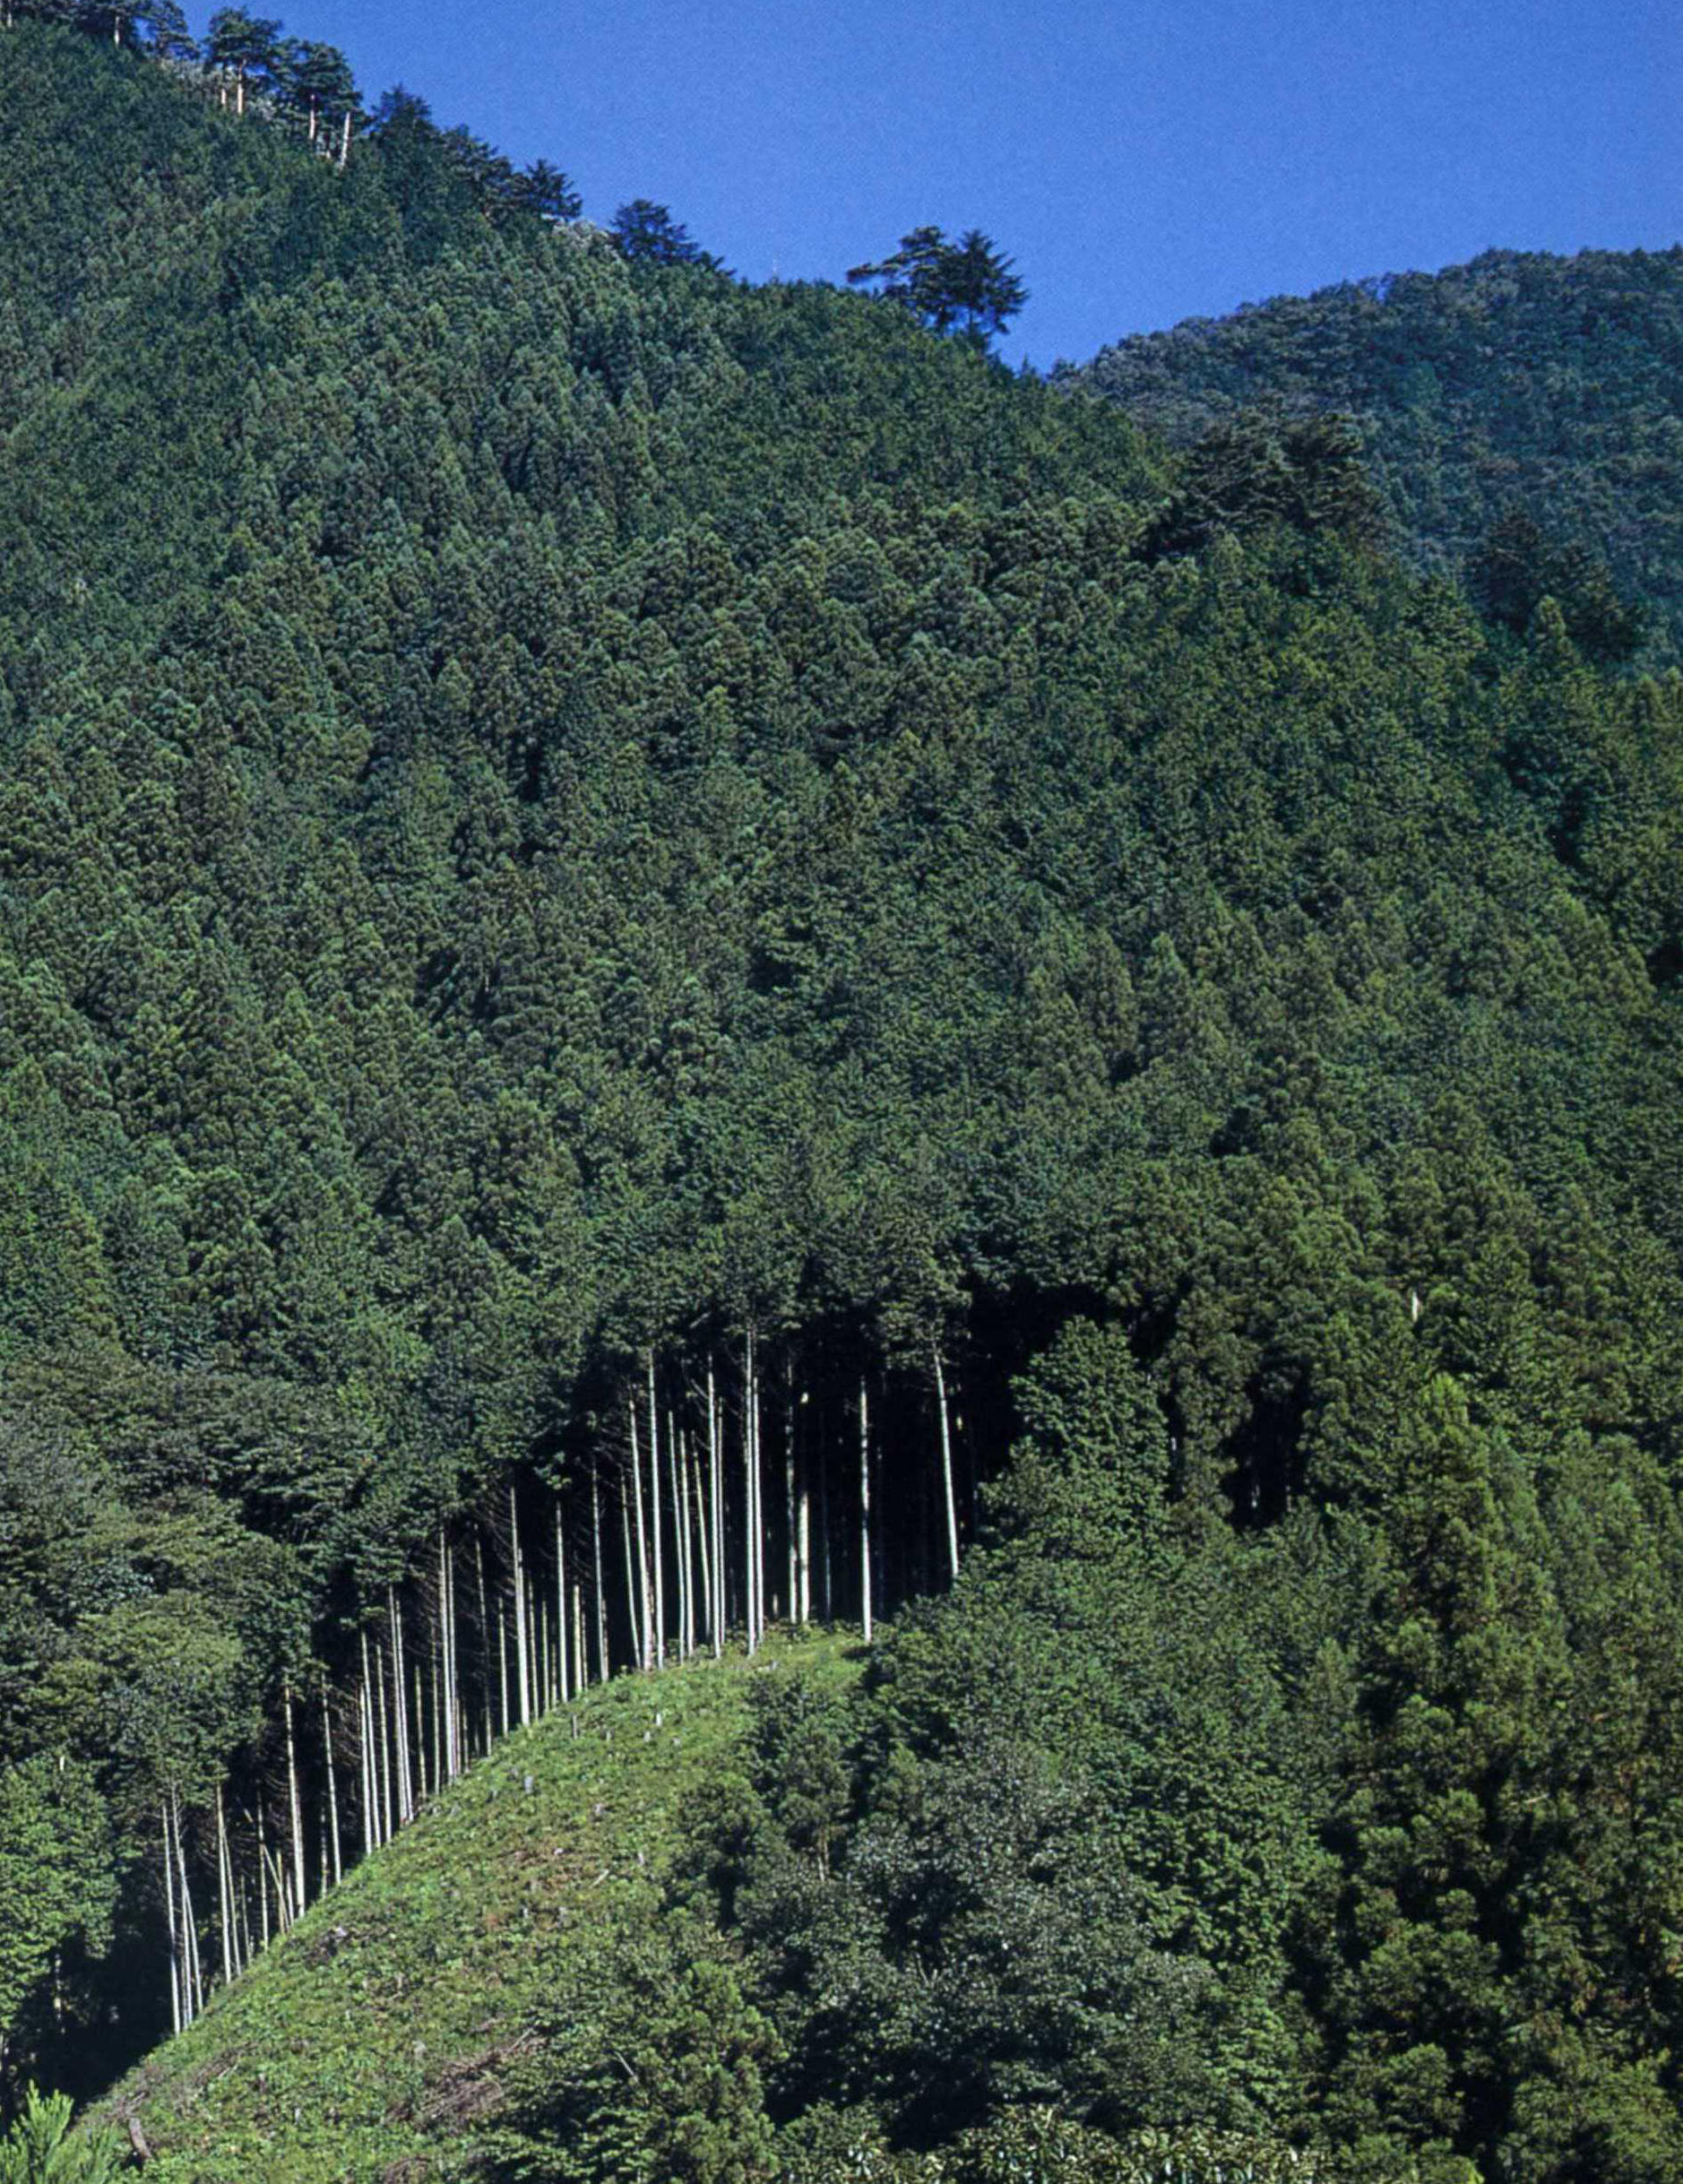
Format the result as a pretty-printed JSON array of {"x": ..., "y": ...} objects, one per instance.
[{"x": 964, "y": 285}]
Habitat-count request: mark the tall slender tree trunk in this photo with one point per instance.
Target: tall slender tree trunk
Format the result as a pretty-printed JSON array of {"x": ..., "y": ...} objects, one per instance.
[
  {"x": 400, "y": 1710},
  {"x": 333, "y": 1784},
  {"x": 578, "y": 1638},
  {"x": 561, "y": 1618},
  {"x": 418, "y": 1701},
  {"x": 365, "y": 1725},
  {"x": 502, "y": 1662},
  {"x": 946, "y": 1463},
  {"x": 295, "y": 1811},
  {"x": 634, "y": 1613},
  {"x": 803, "y": 1535},
  {"x": 485, "y": 1639},
  {"x": 865, "y": 1509},
  {"x": 792, "y": 1597},
  {"x": 680, "y": 1530},
  {"x": 169, "y": 1912},
  {"x": 687, "y": 1553},
  {"x": 826, "y": 1594},
  {"x": 225, "y": 1893},
  {"x": 704, "y": 1606},
  {"x": 751, "y": 1497},
  {"x": 263, "y": 1879},
  {"x": 456, "y": 1723},
  {"x": 521, "y": 1632},
  {"x": 715, "y": 1474},
  {"x": 449, "y": 1682},
  {"x": 645, "y": 1648},
  {"x": 657, "y": 1652},
  {"x": 595, "y": 1551},
  {"x": 192, "y": 1984},
  {"x": 383, "y": 1744}
]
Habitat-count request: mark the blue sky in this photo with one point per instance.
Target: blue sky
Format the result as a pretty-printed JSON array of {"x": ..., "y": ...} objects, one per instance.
[{"x": 1143, "y": 162}]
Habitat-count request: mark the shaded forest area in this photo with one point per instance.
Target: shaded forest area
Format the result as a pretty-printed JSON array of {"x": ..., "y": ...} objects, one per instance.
[
  {"x": 1520, "y": 386},
  {"x": 563, "y": 817}
]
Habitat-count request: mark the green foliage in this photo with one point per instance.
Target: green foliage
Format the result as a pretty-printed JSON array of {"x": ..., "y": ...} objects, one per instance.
[
  {"x": 1520, "y": 389},
  {"x": 964, "y": 285},
  {"x": 1306, "y": 474},
  {"x": 647, "y": 234},
  {"x": 58, "y": 1883},
  {"x": 555, "y": 808},
  {"x": 38, "y": 2150},
  {"x": 649, "y": 2072},
  {"x": 472, "y": 1988}
]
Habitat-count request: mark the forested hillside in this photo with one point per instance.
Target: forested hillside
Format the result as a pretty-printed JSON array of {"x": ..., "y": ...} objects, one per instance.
[
  {"x": 672, "y": 957},
  {"x": 1521, "y": 383}
]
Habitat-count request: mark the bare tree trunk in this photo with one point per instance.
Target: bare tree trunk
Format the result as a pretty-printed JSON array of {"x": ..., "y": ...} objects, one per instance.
[
  {"x": 630, "y": 1588},
  {"x": 455, "y": 1728},
  {"x": 578, "y": 1638},
  {"x": 791, "y": 1542},
  {"x": 680, "y": 1533},
  {"x": 686, "y": 1548},
  {"x": 447, "y": 1681},
  {"x": 484, "y": 1640},
  {"x": 865, "y": 1509},
  {"x": 751, "y": 1500},
  {"x": 388, "y": 1803},
  {"x": 400, "y": 1710},
  {"x": 333, "y": 1784},
  {"x": 502, "y": 1662},
  {"x": 803, "y": 1534},
  {"x": 262, "y": 1876},
  {"x": 418, "y": 1700},
  {"x": 705, "y": 1608},
  {"x": 827, "y": 1594},
  {"x": 646, "y": 1642},
  {"x": 169, "y": 1914},
  {"x": 715, "y": 1471},
  {"x": 561, "y": 1619},
  {"x": 225, "y": 1893},
  {"x": 946, "y": 1463},
  {"x": 365, "y": 1724},
  {"x": 192, "y": 1984},
  {"x": 657, "y": 1652},
  {"x": 295, "y": 1811},
  {"x": 344, "y": 142},
  {"x": 596, "y": 1549},
  {"x": 522, "y": 1634}
]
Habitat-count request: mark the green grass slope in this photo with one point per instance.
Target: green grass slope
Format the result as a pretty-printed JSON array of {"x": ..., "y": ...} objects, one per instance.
[{"x": 368, "y": 2041}]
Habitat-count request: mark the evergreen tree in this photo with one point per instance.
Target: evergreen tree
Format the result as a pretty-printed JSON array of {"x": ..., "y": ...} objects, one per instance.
[
  {"x": 647, "y": 234},
  {"x": 964, "y": 285}
]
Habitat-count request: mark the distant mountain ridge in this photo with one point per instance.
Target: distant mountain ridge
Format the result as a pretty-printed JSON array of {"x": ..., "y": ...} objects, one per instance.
[{"x": 1551, "y": 383}]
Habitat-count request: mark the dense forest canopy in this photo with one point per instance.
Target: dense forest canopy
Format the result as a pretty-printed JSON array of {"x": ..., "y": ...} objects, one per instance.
[
  {"x": 1523, "y": 383},
  {"x": 595, "y": 858}
]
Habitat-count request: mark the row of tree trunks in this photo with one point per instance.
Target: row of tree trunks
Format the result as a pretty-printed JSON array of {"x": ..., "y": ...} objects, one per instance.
[{"x": 426, "y": 1696}]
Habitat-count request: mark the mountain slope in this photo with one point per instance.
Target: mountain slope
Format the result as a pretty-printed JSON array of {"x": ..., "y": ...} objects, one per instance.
[
  {"x": 621, "y": 895},
  {"x": 371, "y": 2038},
  {"x": 1553, "y": 384}
]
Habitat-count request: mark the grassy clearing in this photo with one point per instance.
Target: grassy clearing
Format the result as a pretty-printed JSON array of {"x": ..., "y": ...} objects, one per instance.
[{"x": 365, "y": 2043}]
